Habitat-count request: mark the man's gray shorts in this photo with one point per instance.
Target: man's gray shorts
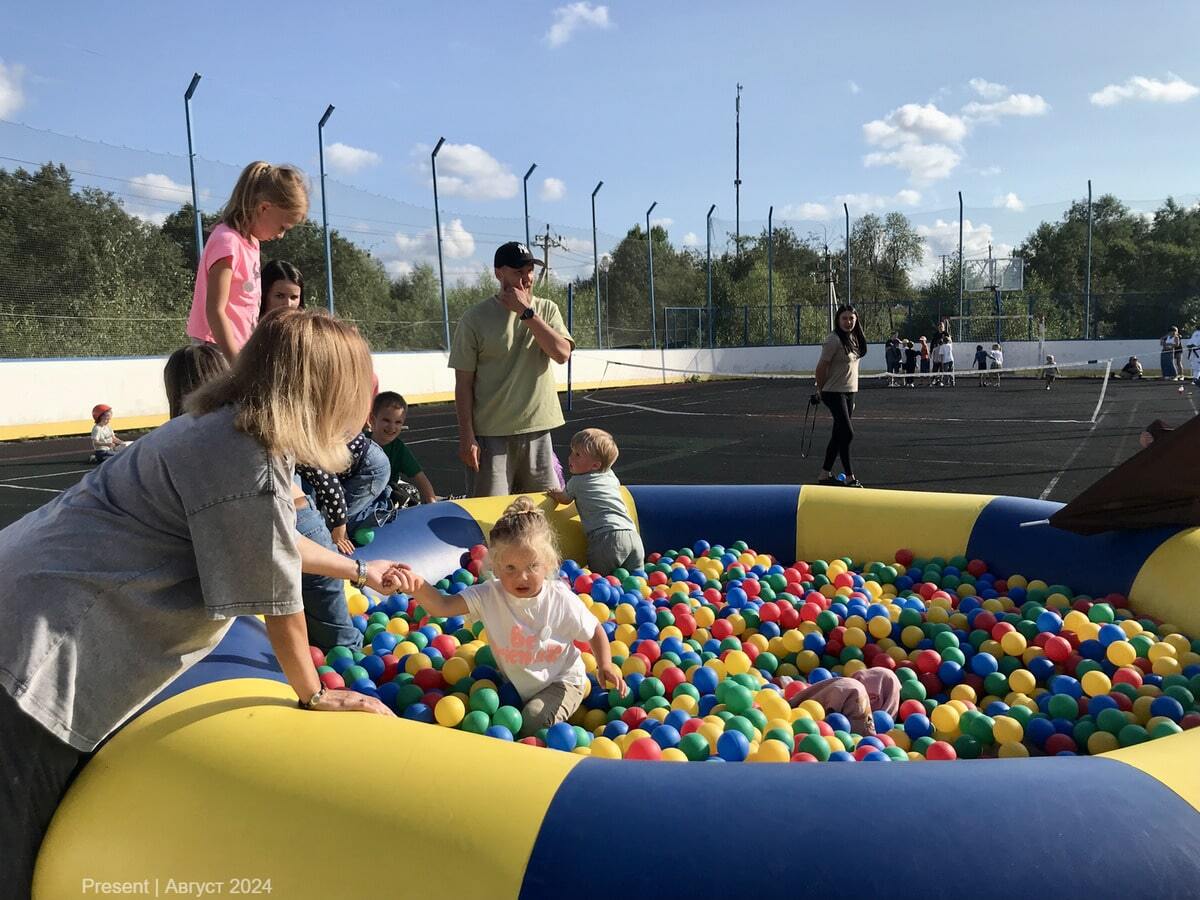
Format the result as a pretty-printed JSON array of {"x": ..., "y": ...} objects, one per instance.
[
  {"x": 611, "y": 550},
  {"x": 515, "y": 464}
]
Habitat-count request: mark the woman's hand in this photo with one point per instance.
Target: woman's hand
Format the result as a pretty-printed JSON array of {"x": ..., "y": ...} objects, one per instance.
[
  {"x": 382, "y": 576},
  {"x": 351, "y": 701},
  {"x": 404, "y": 580}
]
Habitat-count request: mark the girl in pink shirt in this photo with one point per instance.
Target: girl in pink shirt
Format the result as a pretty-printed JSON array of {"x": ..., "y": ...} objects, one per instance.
[{"x": 267, "y": 201}]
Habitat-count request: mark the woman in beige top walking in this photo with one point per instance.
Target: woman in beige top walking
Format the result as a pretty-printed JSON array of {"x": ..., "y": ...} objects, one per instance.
[{"x": 837, "y": 383}]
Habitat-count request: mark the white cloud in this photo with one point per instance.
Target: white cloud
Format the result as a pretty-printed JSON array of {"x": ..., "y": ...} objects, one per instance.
[
  {"x": 941, "y": 238},
  {"x": 153, "y": 192},
  {"x": 552, "y": 189},
  {"x": 914, "y": 123},
  {"x": 467, "y": 170},
  {"x": 1012, "y": 105},
  {"x": 691, "y": 239},
  {"x": 1151, "y": 90},
  {"x": 925, "y": 163},
  {"x": 664, "y": 222},
  {"x": 862, "y": 203},
  {"x": 917, "y": 139},
  {"x": 853, "y": 86},
  {"x": 990, "y": 171},
  {"x": 12, "y": 97},
  {"x": 805, "y": 211},
  {"x": 457, "y": 243},
  {"x": 575, "y": 17},
  {"x": 1009, "y": 201},
  {"x": 989, "y": 90},
  {"x": 398, "y": 268},
  {"x": 348, "y": 160}
]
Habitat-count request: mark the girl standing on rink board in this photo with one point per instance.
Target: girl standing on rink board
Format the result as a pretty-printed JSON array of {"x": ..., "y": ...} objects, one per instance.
[{"x": 267, "y": 201}]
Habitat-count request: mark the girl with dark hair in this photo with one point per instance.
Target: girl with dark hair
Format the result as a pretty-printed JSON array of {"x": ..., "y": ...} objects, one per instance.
[
  {"x": 282, "y": 287},
  {"x": 837, "y": 384}
]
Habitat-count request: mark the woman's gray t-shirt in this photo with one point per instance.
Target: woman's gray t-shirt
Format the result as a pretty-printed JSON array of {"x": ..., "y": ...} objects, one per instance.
[
  {"x": 842, "y": 375},
  {"x": 130, "y": 577}
]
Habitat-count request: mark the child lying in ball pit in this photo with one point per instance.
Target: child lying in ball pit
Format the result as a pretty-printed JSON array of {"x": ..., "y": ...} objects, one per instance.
[
  {"x": 532, "y": 617},
  {"x": 857, "y": 697}
]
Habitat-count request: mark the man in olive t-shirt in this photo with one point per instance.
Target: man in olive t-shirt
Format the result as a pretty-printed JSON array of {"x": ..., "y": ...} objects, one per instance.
[{"x": 505, "y": 392}]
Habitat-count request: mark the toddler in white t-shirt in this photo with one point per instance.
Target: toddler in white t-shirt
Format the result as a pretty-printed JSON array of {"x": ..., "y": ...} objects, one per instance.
[{"x": 532, "y": 617}]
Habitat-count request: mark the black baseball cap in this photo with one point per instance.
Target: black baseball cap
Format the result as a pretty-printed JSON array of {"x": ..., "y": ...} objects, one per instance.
[{"x": 515, "y": 255}]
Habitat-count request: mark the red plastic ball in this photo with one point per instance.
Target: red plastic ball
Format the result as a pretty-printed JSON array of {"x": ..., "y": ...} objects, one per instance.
[
  {"x": 977, "y": 567},
  {"x": 928, "y": 661},
  {"x": 1128, "y": 675},
  {"x": 317, "y": 656},
  {"x": 803, "y": 757},
  {"x": 911, "y": 708},
  {"x": 1057, "y": 649},
  {"x": 479, "y": 551},
  {"x": 633, "y": 716},
  {"x": 751, "y": 587},
  {"x": 985, "y": 621},
  {"x": 905, "y": 557},
  {"x": 721, "y": 629},
  {"x": 1191, "y": 720},
  {"x": 429, "y": 679},
  {"x": 941, "y": 751},
  {"x": 333, "y": 681},
  {"x": 643, "y": 748},
  {"x": 1056, "y": 743}
]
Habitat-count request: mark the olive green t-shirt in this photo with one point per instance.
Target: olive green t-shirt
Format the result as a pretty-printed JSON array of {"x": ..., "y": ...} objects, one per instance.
[{"x": 515, "y": 390}]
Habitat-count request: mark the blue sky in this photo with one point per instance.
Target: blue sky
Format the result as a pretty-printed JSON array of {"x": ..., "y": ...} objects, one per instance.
[{"x": 1016, "y": 106}]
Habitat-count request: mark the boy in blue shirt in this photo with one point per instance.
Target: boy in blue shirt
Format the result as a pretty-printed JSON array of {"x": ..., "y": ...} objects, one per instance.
[{"x": 612, "y": 540}]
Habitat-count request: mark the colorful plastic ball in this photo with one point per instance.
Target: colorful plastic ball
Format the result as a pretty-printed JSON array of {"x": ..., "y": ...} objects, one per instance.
[
  {"x": 940, "y": 750},
  {"x": 485, "y": 700},
  {"x": 499, "y": 731},
  {"x": 476, "y": 722},
  {"x": 561, "y": 736},
  {"x": 733, "y": 746},
  {"x": 644, "y": 749},
  {"x": 917, "y": 726},
  {"x": 450, "y": 711}
]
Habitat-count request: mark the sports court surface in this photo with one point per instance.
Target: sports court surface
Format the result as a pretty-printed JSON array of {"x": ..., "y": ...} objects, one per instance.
[{"x": 1017, "y": 439}]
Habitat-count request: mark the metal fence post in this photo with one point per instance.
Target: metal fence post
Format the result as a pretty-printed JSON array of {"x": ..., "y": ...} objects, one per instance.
[
  {"x": 437, "y": 227},
  {"x": 325, "y": 206},
  {"x": 650, "y": 248},
  {"x": 187, "y": 112}
]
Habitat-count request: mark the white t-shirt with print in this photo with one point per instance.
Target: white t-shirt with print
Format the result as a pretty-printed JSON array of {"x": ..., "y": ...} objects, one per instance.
[{"x": 532, "y": 639}]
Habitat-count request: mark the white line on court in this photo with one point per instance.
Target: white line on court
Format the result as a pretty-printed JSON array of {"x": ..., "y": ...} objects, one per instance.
[
  {"x": 665, "y": 412},
  {"x": 47, "y": 475},
  {"x": 26, "y": 487},
  {"x": 1059, "y": 474}
]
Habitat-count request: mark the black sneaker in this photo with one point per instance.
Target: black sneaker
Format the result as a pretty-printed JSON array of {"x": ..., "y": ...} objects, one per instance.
[
  {"x": 853, "y": 482},
  {"x": 829, "y": 480}
]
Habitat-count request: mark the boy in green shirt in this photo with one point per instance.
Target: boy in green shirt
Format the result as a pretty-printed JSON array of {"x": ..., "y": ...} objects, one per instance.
[{"x": 388, "y": 412}]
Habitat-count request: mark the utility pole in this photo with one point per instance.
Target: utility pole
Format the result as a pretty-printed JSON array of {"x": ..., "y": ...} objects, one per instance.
[
  {"x": 737, "y": 171},
  {"x": 547, "y": 241},
  {"x": 829, "y": 279}
]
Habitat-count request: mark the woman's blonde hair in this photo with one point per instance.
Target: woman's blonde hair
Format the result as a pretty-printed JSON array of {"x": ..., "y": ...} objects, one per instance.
[
  {"x": 302, "y": 385},
  {"x": 261, "y": 182},
  {"x": 598, "y": 444},
  {"x": 524, "y": 525}
]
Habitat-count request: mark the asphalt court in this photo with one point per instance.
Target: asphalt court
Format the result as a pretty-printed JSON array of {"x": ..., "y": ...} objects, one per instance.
[{"x": 1017, "y": 439}]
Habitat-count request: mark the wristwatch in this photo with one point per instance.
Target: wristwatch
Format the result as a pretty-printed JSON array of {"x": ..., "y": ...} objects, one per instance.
[
  {"x": 528, "y": 314},
  {"x": 312, "y": 701},
  {"x": 360, "y": 580}
]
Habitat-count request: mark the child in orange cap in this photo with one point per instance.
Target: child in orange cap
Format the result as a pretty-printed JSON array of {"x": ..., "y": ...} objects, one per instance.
[{"x": 104, "y": 442}]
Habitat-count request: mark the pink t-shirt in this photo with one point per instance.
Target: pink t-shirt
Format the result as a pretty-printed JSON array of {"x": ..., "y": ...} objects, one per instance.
[{"x": 245, "y": 289}]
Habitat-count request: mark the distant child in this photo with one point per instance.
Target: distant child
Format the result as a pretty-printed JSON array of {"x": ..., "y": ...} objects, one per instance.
[
  {"x": 532, "y": 617},
  {"x": 1050, "y": 372},
  {"x": 924, "y": 356},
  {"x": 282, "y": 287},
  {"x": 188, "y": 368},
  {"x": 105, "y": 443},
  {"x": 910, "y": 363},
  {"x": 943, "y": 360},
  {"x": 388, "y": 412},
  {"x": 857, "y": 697},
  {"x": 267, "y": 202},
  {"x": 1131, "y": 369},
  {"x": 612, "y": 539},
  {"x": 356, "y": 497},
  {"x": 893, "y": 355}
]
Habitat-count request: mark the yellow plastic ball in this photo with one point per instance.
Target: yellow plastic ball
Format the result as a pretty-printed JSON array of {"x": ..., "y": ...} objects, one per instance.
[
  {"x": 455, "y": 670},
  {"x": 1102, "y": 742},
  {"x": 398, "y": 626},
  {"x": 416, "y": 662},
  {"x": 1094, "y": 683},
  {"x": 1013, "y": 644},
  {"x": 1166, "y": 665},
  {"x": 963, "y": 692},
  {"x": 1006, "y": 729},
  {"x": 1012, "y": 750},
  {"x": 737, "y": 662},
  {"x": 357, "y": 602},
  {"x": 945, "y": 718},
  {"x": 855, "y": 637},
  {"x": 772, "y": 751},
  {"x": 449, "y": 711},
  {"x": 1121, "y": 653}
]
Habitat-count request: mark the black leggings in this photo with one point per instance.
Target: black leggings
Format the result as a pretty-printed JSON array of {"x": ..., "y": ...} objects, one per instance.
[{"x": 841, "y": 407}]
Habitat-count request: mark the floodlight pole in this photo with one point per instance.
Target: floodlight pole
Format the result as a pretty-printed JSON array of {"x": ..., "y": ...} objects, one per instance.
[
  {"x": 595, "y": 264},
  {"x": 849, "y": 267},
  {"x": 325, "y": 206},
  {"x": 437, "y": 227},
  {"x": 960, "y": 267},
  {"x": 525, "y": 192},
  {"x": 650, "y": 248},
  {"x": 770, "y": 276},
  {"x": 708, "y": 269},
  {"x": 1087, "y": 297},
  {"x": 187, "y": 112}
]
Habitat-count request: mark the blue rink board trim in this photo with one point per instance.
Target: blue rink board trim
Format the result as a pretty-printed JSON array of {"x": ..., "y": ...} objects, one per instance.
[
  {"x": 763, "y": 515},
  {"x": 1074, "y": 828},
  {"x": 430, "y": 538},
  {"x": 1096, "y": 564},
  {"x": 244, "y": 652}
]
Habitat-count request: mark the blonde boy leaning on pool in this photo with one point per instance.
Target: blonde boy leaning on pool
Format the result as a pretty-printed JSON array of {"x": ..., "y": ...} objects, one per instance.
[{"x": 612, "y": 539}]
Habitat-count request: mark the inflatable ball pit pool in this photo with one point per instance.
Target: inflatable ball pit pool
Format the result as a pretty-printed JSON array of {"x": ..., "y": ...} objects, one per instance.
[{"x": 222, "y": 780}]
